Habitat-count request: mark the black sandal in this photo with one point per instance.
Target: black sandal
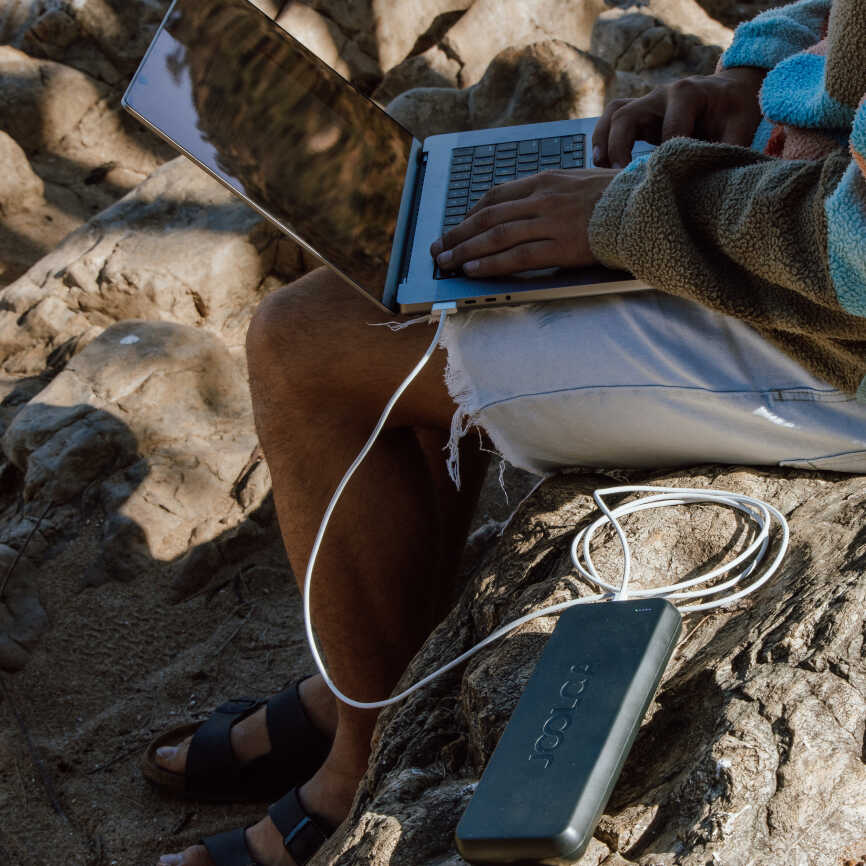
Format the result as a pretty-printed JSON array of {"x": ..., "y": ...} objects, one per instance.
[
  {"x": 303, "y": 834},
  {"x": 214, "y": 773}
]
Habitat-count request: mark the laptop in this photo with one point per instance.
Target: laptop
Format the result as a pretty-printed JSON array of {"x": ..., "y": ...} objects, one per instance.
[{"x": 252, "y": 106}]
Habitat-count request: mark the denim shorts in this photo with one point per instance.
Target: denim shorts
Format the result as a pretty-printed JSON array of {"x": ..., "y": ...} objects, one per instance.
[{"x": 641, "y": 380}]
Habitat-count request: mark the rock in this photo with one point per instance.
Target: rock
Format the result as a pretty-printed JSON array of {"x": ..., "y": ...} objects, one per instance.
[
  {"x": 104, "y": 38},
  {"x": 402, "y": 28},
  {"x": 752, "y": 748},
  {"x": 547, "y": 81},
  {"x": 687, "y": 17},
  {"x": 157, "y": 416},
  {"x": 83, "y": 147},
  {"x": 55, "y": 111},
  {"x": 328, "y": 42},
  {"x": 433, "y": 68},
  {"x": 387, "y": 33},
  {"x": 64, "y": 448},
  {"x": 134, "y": 261},
  {"x": 20, "y": 187},
  {"x": 22, "y": 619},
  {"x": 645, "y": 46},
  {"x": 29, "y": 225},
  {"x": 485, "y": 30},
  {"x": 463, "y": 53},
  {"x": 731, "y": 13}
]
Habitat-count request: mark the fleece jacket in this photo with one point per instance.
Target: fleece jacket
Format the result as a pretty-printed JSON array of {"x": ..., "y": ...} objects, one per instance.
[{"x": 774, "y": 234}]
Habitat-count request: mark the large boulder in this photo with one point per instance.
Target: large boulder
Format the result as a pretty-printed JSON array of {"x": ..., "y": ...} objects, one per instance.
[
  {"x": 645, "y": 46},
  {"x": 331, "y": 43},
  {"x": 86, "y": 151},
  {"x": 180, "y": 248},
  {"x": 549, "y": 80},
  {"x": 104, "y": 38},
  {"x": 30, "y": 225},
  {"x": 686, "y": 41},
  {"x": 155, "y": 418},
  {"x": 732, "y": 12},
  {"x": 752, "y": 749}
]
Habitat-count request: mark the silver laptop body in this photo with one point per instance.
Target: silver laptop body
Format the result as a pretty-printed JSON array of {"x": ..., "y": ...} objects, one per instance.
[{"x": 249, "y": 104}]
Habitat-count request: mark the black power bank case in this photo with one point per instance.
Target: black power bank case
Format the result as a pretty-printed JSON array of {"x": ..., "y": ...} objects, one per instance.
[{"x": 547, "y": 782}]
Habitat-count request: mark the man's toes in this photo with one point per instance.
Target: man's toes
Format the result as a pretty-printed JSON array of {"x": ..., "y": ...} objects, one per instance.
[
  {"x": 195, "y": 856},
  {"x": 173, "y": 758}
]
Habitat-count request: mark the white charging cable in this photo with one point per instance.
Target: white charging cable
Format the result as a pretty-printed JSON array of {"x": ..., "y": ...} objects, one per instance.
[{"x": 746, "y": 562}]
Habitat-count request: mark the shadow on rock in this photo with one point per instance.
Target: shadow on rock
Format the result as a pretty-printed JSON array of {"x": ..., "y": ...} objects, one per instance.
[{"x": 148, "y": 430}]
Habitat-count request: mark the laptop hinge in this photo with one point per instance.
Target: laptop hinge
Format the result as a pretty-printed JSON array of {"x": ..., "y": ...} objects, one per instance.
[
  {"x": 416, "y": 207},
  {"x": 404, "y": 231}
]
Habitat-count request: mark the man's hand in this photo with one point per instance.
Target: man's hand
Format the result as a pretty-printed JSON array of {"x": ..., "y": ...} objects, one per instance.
[
  {"x": 722, "y": 107},
  {"x": 539, "y": 221}
]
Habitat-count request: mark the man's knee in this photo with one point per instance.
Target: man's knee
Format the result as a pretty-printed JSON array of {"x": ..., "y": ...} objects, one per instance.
[{"x": 287, "y": 326}]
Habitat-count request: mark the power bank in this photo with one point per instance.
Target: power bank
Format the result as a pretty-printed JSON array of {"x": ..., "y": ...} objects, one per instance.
[{"x": 549, "y": 778}]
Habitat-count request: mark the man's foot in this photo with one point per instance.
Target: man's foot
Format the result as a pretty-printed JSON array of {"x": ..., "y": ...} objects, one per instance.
[
  {"x": 249, "y": 737},
  {"x": 328, "y": 796},
  {"x": 263, "y": 841}
]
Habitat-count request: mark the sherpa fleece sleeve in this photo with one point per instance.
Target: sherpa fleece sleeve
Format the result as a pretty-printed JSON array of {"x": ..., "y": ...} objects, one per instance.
[
  {"x": 845, "y": 212},
  {"x": 749, "y": 235},
  {"x": 776, "y": 34}
]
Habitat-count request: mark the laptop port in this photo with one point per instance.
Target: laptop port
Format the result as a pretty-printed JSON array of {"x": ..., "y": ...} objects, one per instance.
[
  {"x": 489, "y": 300},
  {"x": 467, "y": 303}
]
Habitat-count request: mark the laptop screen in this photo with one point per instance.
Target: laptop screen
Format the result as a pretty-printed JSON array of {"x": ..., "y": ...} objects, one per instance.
[{"x": 280, "y": 127}]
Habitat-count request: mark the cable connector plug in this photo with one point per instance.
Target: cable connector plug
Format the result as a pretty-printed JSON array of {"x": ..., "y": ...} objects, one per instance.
[{"x": 447, "y": 307}]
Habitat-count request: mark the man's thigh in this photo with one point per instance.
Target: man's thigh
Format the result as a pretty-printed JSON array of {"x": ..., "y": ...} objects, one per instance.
[{"x": 322, "y": 340}]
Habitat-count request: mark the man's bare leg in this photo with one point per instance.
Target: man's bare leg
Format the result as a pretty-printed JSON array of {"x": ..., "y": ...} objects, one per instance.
[{"x": 320, "y": 376}]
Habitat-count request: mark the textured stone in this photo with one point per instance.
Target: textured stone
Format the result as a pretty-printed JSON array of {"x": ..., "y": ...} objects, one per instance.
[
  {"x": 752, "y": 749},
  {"x": 432, "y": 68},
  {"x": 546, "y": 81},
  {"x": 84, "y": 149},
  {"x": 180, "y": 248},
  {"x": 486, "y": 30},
  {"x": 29, "y": 225},
  {"x": 22, "y": 619},
  {"x": 104, "y": 38},
  {"x": 645, "y": 46},
  {"x": 731, "y": 13},
  {"x": 54, "y": 110},
  {"x": 328, "y": 42},
  {"x": 19, "y": 184},
  {"x": 156, "y": 416}
]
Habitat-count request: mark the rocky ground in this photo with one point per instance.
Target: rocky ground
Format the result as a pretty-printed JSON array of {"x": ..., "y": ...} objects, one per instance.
[{"x": 141, "y": 574}]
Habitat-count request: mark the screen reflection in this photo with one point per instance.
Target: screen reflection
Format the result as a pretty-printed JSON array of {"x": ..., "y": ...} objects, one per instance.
[{"x": 282, "y": 128}]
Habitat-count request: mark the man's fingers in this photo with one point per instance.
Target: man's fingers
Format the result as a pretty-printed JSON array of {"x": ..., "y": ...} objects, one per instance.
[
  {"x": 481, "y": 221},
  {"x": 514, "y": 189},
  {"x": 602, "y": 131},
  {"x": 498, "y": 238},
  {"x": 524, "y": 257},
  {"x": 738, "y": 131},
  {"x": 684, "y": 105},
  {"x": 639, "y": 119}
]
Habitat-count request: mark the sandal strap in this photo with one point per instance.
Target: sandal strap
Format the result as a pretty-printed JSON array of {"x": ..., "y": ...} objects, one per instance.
[
  {"x": 229, "y": 848},
  {"x": 295, "y": 741},
  {"x": 211, "y": 764},
  {"x": 303, "y": 834}
]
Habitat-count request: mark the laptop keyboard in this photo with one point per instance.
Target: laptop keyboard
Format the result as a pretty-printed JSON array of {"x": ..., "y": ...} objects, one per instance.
[{"x": 474, "y": 170}]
